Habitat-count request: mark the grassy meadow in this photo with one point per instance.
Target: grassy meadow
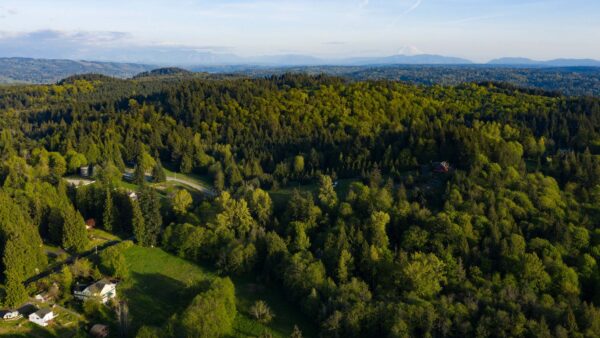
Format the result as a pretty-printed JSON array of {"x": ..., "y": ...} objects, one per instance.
[{"x": 162, "y": 285}]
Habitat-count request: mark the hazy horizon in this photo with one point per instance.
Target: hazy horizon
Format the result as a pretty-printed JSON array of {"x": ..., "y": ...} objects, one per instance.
[{"x": 156, "y": 30}]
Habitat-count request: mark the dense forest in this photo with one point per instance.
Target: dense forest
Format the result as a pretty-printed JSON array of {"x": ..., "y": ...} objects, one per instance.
[
  {"x": 566, "y": 80},
  {"x": 446, "y": 211}
]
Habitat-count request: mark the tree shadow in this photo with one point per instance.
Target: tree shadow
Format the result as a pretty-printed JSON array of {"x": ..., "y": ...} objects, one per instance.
[{"x": 154, "y": 298}]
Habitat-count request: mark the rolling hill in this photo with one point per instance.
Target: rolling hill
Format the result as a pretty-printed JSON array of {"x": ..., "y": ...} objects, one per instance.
[{"x": 27, "y": 70}]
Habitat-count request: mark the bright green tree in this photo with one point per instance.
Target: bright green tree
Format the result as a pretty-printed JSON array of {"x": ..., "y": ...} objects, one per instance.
[
  {"x": 13, "y": 261},
  {"x": 181, "y": 201},
  {"x": 423, "y": 274},
  {"x": 327, "y": 195}
]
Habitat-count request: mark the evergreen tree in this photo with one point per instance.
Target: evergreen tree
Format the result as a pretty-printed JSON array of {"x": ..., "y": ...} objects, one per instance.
[
  {"x": 296, "y": 333},
  {"x": 138, "y": 223},
  {"x": 139, "y": 175},
  {"x": 74, "y": 234},
  {"x": 327, "y": 195},
  {"x": 14, "y": 261},
  {"x": 158, "y": 173},
  {"x": 150, "y": 208},
  {"x": 109, "y": 212}
]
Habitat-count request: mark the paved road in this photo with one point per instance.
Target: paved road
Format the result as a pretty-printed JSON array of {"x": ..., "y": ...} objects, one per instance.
[
  {"x": 79, "y": 181},
  {"x": 191, "y": 184}
]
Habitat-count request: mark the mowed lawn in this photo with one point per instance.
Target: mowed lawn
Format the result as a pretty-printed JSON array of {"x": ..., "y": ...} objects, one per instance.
[{"x": 163, "y": 284}]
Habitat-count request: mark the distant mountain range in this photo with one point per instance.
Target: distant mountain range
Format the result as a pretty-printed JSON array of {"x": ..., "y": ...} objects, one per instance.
[
  {"x": 306, "y": 60},
  {"x": 28, "y": 70},
  {"x": 550, "y": 63}
]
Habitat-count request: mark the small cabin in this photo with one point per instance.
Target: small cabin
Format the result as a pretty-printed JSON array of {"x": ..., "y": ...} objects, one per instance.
[
  {"x": 441, "y": 167},
  {"x": 90, "y": 224}
]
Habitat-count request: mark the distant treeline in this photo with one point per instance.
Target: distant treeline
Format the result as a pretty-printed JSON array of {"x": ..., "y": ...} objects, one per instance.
[{"x": 578, "y": 81}]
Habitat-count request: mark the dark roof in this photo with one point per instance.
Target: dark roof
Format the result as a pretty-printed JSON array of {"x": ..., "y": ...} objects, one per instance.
[
  {"x": 98, "y": 328},
  {"x": 27, "y": 309},
  {"x": 43, "y": 312},
  {"x": 98, "y": 286}
]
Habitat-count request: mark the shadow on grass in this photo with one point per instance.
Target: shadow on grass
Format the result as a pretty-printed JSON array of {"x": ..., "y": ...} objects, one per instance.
[
  {"x": 249, "y": 290},
  {"x": 35, "y": 331},
  {"x": 153, "y": 298}
]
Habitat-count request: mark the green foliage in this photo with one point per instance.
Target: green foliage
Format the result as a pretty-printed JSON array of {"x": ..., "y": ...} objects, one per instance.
[
  {"x": 74, "y": 234},
  {"x": 147, "y": 232},
  {"x": 108, "y": 216},
  {"x": 75, "y": 161},
  {"x": 57, "y": 165},
  {"x": 261, "y": 311},
  {"x": 139, "y": 223},
  {"x": 261, "y": 205},
  {"x": 211, "y": 313},
  {"x": 109, "y": 174},
  {"x": 423, "y": 274},
  {"x": 503, "y": 241},
  {"x": 158, "y": 173},
  {"x": 13, "y": 259},
  {"x": 112, "y": 262},
  {"x": 298, "y": 164},
  {"x": 181, "y": 201},
  {"x": 327, "y": 195}
]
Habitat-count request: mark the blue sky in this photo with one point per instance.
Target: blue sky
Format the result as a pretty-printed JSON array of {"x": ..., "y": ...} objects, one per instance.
[{"x": 128, "y": 29}]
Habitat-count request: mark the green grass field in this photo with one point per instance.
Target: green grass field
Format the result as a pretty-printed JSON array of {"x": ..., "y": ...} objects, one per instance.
[{"x": 159, "y": 288}]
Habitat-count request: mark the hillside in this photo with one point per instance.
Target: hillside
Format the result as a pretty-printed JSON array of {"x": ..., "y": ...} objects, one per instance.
[
  {"x": 566, "y": 80},
  {"x": 169, "y": 71},
  {"x": 28, "y": 70},
  {"x": 346, "y": 207},
  {"x": 509, "y": 61}
]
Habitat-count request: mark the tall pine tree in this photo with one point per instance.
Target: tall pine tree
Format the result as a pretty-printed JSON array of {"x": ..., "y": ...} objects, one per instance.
[
  {"x": 14, "y": 261},
  {"x": 158, "y": 173},
  {"x": 150, "y": 207},
  {"x": 138, "y": 223},
  {"x": 74, "y": 235},
  {"x": 109, "y": 212}
]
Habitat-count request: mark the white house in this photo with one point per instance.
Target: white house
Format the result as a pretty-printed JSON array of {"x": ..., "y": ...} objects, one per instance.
[
  {"x": 42, "y": 317},
  {"x": 11, "y": 315},
  {"x": 102, "y": 290}
]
